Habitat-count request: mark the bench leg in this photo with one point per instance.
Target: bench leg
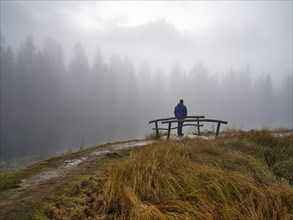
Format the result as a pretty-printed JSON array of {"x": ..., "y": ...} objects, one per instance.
[
  {"x": 169, "y": 130},
  {"x": 157, "y": 130},
  {"x": 218, "y": 128},
  {"x": 198, "y": 130}
]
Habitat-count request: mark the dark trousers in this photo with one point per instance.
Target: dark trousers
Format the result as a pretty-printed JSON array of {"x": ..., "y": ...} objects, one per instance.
[{"x": 179, "y": 128}]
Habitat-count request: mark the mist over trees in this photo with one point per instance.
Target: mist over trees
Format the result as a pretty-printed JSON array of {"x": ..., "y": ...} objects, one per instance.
[{"x": 48, "y": 105}]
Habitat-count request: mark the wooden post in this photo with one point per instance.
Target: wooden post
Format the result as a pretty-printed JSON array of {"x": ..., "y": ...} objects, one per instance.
[
  {"x": 169, "y": 129},
  {"x": 157, "y": 130},
  {"x": 218, "y": 128},
  {"x": 198, "y": 130}
]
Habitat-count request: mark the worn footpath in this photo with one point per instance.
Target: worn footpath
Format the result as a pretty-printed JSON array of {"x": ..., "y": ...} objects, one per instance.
[{"x": 36, "y": 189}]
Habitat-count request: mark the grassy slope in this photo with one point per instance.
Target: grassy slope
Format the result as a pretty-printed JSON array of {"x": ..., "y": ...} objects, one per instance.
[{"x": 244, "y": 175}]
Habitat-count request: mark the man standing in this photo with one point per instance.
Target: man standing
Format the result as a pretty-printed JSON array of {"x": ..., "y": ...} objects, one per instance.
[{"x": 180, "y": 112}]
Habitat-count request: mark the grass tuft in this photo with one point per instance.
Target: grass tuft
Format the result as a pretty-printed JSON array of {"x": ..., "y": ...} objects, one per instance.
[
  {"x": 241, "y": 175},
  {"x": 196, "y": 179}
]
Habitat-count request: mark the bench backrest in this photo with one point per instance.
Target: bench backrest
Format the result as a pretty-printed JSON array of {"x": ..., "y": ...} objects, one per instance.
[
  {"x": 196, "y": 120},
  {"x": 173, "y": 118}
]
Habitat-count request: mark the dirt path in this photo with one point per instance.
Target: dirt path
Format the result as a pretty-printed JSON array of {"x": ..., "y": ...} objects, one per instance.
[{"x": 36, "y": 189}]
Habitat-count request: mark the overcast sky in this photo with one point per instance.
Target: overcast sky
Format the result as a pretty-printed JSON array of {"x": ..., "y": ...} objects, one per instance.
[{"x": 221, "y": 34}]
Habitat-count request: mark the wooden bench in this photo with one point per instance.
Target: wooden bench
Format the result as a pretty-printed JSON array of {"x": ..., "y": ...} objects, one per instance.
[
  {"x": 157, "y": 128},
  {"x": 219, "y": 122}
]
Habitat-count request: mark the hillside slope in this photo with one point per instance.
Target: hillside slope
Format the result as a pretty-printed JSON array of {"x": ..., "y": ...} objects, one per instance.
[
  {"x": 22, "y": 193},
  {"x": 240, "y": 175}
]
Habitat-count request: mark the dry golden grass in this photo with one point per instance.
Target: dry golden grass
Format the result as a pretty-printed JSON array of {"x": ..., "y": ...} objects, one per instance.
[
  {"x": 196, "y": 179},
  {"x": 244, "y": 175}
]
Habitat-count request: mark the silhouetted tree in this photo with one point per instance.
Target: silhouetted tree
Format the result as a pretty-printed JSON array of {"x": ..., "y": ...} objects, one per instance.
[
  {"x": 160, "y": 102},
  {"x": 79, "y": 65},
  {"x": 129, "y": 84},
  {"x": 176, "y": 89},
  {"x": 8, "y": 105},
  {"x": 235, "y": 97},
  {"x": 146, "y": 92},
  {"x": 8, "y": 79},
  {"x": 263, "y": 99},
  {"x": 98, "y": 81},
  {"x": 284, "y": 103},
  {"x": 200, "y": 89},
  {"x": 79, "y": 71},
  {"x": 26, "y": 64}
]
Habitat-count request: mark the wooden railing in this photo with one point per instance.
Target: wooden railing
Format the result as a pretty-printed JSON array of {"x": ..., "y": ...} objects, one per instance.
[
  {"x": 189, "y": 119},
  {"x": 157, "y": 128}
]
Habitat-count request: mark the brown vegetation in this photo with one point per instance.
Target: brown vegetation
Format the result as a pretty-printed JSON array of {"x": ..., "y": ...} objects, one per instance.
[{"x": 242, "y": 175}]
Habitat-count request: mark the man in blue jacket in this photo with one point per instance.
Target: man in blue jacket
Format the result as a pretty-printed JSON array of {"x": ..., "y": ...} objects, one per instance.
[{"x": 180, "y": 112}]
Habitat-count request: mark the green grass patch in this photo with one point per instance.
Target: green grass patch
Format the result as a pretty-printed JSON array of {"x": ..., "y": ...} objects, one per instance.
[
  {"x": 13, "y": 179},
  {"x": 80, "y": 199}
]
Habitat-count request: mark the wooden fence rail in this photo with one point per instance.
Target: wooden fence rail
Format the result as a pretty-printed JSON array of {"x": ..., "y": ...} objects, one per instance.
[
  {"x": 157, "y": 128},
  {"x": 189, "y": 120}
]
